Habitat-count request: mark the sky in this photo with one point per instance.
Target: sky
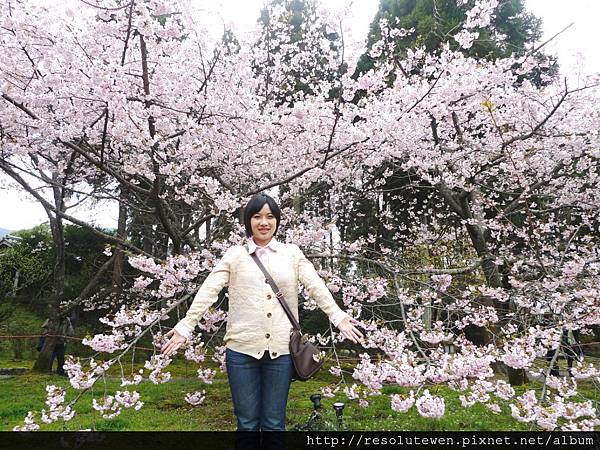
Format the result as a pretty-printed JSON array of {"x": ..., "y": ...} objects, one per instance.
[{"x": 576, "y": 49}]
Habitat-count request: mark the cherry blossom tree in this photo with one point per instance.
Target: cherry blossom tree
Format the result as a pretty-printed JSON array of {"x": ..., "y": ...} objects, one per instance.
[{"x": 180, "y": 127}]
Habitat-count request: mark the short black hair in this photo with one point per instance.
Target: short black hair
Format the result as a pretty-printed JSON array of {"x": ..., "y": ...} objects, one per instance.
[{"x": 255, "y": 204}]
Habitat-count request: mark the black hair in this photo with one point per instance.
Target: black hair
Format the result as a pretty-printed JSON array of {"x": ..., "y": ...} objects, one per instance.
[{"x": 255, "y": 204}]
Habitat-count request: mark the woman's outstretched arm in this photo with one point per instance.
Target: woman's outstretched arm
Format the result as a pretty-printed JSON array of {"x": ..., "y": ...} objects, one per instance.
[
  {"x": 317, "y": 289},
  {"x": 205, "y": 297}
]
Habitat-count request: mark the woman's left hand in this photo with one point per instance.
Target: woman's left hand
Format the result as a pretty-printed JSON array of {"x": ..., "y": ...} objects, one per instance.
[{"x": 349, "y": 331}]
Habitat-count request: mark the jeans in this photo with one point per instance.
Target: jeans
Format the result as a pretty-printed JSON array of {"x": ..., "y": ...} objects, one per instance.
[
  {"x": 259, "y": 389},
  {"x": 59, "y": 353}
]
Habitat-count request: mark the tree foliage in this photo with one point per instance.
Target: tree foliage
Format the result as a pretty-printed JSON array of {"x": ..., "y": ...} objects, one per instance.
[
  {"x": 494, "y": 227},
  {"x": 511, "y": 31}
]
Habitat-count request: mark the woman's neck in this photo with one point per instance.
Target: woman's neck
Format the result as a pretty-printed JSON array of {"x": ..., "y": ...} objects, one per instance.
[{"x": 261, "y": 243}]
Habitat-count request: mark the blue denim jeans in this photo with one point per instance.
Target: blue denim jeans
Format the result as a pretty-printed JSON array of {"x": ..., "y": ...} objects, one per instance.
[
  {"x": 259, "y": 389},
  {"x": 59, "y": 353}
]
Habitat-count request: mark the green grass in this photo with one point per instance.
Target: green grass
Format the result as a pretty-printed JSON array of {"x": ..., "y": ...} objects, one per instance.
[{"x": 166, "y": 409}]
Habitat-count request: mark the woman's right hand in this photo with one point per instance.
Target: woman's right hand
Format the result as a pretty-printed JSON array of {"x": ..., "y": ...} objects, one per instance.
[{"x": 176, "y": 340}]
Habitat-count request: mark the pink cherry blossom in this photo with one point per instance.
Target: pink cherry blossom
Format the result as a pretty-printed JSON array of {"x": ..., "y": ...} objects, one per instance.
[
  {"x": 403, "y": 403},
  {"x": 430, "y": 406},
  {"x": 195, "y": 398}
]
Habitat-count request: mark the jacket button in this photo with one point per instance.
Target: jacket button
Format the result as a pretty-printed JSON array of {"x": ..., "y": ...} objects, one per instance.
[
  {"x": 274, "y": 353},
  {"x": 266, "y": 281},
  {"x": 269, "y": 296},
  {"x": 267, "y": 335},
  {"x": 268, "y": 314}
]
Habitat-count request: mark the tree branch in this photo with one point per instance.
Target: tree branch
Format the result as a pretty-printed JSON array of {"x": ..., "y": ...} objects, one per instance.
[
  {"x": 49, "y": 207},
  {"x": 21, "y": 106},
  {"x": 303, "y": 171}
]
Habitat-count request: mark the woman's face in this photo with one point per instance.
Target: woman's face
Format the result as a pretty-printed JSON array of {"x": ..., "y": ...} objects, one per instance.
[{"x": 263, "y": 225}]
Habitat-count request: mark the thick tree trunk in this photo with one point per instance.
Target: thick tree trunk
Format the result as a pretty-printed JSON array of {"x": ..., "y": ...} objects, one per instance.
[
  {"x": 58, "y": 288},
  {"x": 41, "y": 363},
  {"x": 58, "y": 237},
  {"x": 117, "y": 275},
  {"x": 15, "y": 283},
  {"x": 58, "y": 281},
  {"x": 516, "y": 377},
  {"x": 148, "y": 233},
  {"x": 462, "y": 204}
]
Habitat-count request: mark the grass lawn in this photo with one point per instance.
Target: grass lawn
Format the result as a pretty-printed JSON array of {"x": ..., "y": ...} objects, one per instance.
[{"x": 166, "y": 409}]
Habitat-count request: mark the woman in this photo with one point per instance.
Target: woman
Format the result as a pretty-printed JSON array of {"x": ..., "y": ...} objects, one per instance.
[{"x": 259, "y": 366}]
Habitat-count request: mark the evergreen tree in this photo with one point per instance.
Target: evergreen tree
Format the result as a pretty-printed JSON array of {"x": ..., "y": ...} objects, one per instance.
[
  {"x": 294, "y": 36},
  {"x": 512, "y": 31}
]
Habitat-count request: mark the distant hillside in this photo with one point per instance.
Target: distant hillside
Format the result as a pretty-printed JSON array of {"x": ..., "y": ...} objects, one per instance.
[{"x": 4, "y": 231}]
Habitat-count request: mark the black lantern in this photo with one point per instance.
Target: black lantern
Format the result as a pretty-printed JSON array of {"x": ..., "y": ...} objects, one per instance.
[{"x": 339, "y": 414}]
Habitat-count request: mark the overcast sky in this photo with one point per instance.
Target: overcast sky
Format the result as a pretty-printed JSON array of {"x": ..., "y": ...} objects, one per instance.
[{"x": 576, "y": 48}]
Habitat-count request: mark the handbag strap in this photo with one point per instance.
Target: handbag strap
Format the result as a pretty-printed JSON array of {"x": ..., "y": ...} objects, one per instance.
[{"x": 275, "y": 288}]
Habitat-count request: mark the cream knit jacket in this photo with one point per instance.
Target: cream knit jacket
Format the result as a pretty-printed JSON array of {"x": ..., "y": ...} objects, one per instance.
[{"x": 256, "y": 321}]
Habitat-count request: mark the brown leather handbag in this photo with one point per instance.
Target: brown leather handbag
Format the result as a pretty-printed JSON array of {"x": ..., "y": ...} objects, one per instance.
[{"x": 305, "y": 355}]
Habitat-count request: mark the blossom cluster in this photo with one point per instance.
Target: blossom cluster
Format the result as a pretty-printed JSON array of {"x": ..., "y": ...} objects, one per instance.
[
  {"x": 195, "y": 398},
  {"x": 81, "y": 379},
  {"x": 111, "y": 406},
  {"x": 156, "y": 364}
]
